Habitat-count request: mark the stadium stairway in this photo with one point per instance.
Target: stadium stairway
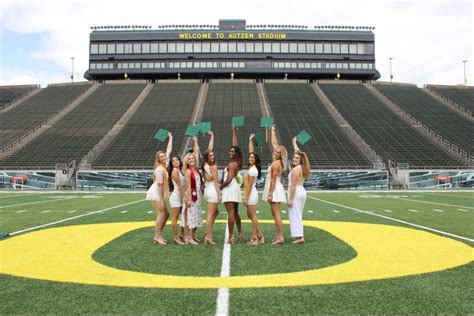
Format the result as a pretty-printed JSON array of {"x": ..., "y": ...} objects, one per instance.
[
  {"x": 296, "y": 107},
  {"x": 447, "y": 128},
  {"x": 11, "y": 96},
  {"x": 71, "y": 137},
  {"x": 169, "y": 105},
  {"x": 460, "y": 99},
  {"x": 32, "y": 119},
  {"x": 389, "y": 135}
]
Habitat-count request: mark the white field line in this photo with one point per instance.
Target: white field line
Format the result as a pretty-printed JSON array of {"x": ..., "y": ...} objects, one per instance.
[
  {"x": 149, "y": 212},
  {"x": 310, "y": 212},
  {"x": 18, "y": 195},
  {"x": 388, "y": 211},
  {"x": 414, "y": 211},
  {"x": 75, "y": 217},
  {"x": 395, "y": 220},
  {"x": 406, "y": 199},
  {"x": 222, "y": 308},
  {"x": 335, "y": 211},
  {"x": 47, "y": 211},
  {"x": 462, "y": 210},
  {"x": 29, "y": 203},
  {"x": 123, "y": 212},
  {"x": 438, "y": 210},
  {"x": 21, "y": 211}
]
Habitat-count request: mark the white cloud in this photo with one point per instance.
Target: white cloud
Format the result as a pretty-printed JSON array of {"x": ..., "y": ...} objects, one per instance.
[{"x": 428, "y": 39}]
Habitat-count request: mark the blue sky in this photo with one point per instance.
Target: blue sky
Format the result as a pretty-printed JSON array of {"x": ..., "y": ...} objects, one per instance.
[{"x": 427, "y": 39}]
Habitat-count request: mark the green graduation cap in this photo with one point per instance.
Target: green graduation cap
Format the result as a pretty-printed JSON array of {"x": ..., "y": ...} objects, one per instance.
[
  {"x": 238, "y": 121},
  {"x": 193, "y": 130},
  {"x": 205, "y": 127},
  {"x": 266, "y": 122},
  {"x": 258, "y": 140},
  {"x": 161, "y": 135},
  {"x": 303, "y": 137}
]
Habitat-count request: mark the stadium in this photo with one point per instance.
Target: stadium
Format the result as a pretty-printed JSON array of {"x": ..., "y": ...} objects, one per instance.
[{"x": 388, "y": 219}]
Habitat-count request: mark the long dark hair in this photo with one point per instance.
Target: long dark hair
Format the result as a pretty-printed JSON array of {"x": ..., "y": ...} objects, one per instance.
[
  {"x": 238, "y": 158},
  {"x": 257, "y": 164},
  {"x": 206, "y": 159},
  {"x": 170, "y": 171}
]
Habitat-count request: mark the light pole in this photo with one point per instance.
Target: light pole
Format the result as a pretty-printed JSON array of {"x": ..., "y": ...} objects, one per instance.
[
  {"x": 465, "y": 78},
  {"x": 72, "y": 69},
  {"x": 391, "y": 75}
]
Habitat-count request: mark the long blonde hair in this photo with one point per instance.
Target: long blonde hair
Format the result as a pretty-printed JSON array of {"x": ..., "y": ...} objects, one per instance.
[
  {"x": 284, "y": 157},
  {"x": 158, "y": 164},
  {"x": 186, "y": 161},
  {"x": 304, "y": 162}
]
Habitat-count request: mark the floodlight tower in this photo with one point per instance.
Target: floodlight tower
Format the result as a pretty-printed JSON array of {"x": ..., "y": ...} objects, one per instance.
[
  {"x": 465, "y": 78},
  {"x": 391, "y": 75},
  {"x": 72, "y": 69}
]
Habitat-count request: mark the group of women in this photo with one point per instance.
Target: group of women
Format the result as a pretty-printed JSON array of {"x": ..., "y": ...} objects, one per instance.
[{"x": 184, "y": 182}]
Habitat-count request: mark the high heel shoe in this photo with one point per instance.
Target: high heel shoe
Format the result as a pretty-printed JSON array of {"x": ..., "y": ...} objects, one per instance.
[
  {"x": 278, "y": 241},
  {"x": 209, "y": 241},
  {"x": 178, "y": 241},
  {"x": 299, "y": 240},
  {"x": 190, "y": 241},
  {"x": 261, "y": 240},
  {"x": 231, "y": 240},
  {"x": 241, "y": 237},
  {"x": 253, "y": 242},
  {"x": 159, "y": 241}
]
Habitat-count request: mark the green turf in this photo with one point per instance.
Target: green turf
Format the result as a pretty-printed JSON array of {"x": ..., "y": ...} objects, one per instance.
[{"x": 446, "y": 292}]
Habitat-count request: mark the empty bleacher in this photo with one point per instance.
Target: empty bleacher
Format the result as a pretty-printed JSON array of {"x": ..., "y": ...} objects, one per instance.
[
  {"x": 168, "y": 106},
  {"x": 73, "y": 136},
  {"x": 9, "y": 94},
  {"x": 390, "y": 136},
  {"x": 224, "y": 101},
  {"x": 429, "y": 111},
  {"x": 296, "y": 107},
  {"x": 462, "y": 96},
  {"x": 32, "y": 112}
]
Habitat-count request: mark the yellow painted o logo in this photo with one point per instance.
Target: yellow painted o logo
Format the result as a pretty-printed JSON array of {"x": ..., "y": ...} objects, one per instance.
[{"x": 64, "y": 254}]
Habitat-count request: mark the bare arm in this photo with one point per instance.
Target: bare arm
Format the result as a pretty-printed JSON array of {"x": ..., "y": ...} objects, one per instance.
[
  {"x": 295, "y": 174},
  {"x": 215, "y": 178},
  {"x": 235, "y": 139},
  {"x": 196, "y": 150},
  {"x": 169, "y": 148},
  {"x": 295, "y": 145},
  {"x": 248, "y": 188},
  {"x": 251, "y": 146},
  {"x": 275, "y": 170},
  {"x": 211, "y": 141},
  {"x": 274, "y": 138},
  {"x": 231, "y": 173}
]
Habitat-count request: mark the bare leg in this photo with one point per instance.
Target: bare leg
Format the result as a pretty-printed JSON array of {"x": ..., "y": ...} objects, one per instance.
[
  {"x": 277, "y": 217},
  {"x": 212, "y": 213},
  {"x": 174, "y": 221},
  {"x": 252, "y": 215},
  {"x": 229, "y": 206},
  {"x": 160, "y": 215},
  {"x": 238, "y": 221}
]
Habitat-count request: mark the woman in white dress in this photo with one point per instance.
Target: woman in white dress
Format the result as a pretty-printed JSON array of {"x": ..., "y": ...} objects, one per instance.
[
  {"x": 274, "y": 192},
  {"x": 250, "y": 198},
  {"x": 158, "y": 192},
  {"x": 297, "y": 193},
  {"x": 212, "y": 190},
  {"x": 191, "y": 217},
  {"x": 177, "y": 198},
  {"x": 230, "y": 188}
]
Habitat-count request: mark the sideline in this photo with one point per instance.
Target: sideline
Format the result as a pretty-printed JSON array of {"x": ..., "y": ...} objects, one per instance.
[
  {"x": 394, "y": 219},
  {"x": 72, "y": 218}
]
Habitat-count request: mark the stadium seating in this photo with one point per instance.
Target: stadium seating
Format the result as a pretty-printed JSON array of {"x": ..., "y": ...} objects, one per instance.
[
  {"x": 296, "y": 107},
  {"x": 450, "y": 125},
  {"x": 168, "y": 106},
  {"x": 73, "y": 136},
  {"x": 224, "y": 101},
  {"x": 390, "y": 136},
  {"x": 9, "y": 94},
  {"x": 34, "y": 111},
  {"x": 462, "y": 96}
]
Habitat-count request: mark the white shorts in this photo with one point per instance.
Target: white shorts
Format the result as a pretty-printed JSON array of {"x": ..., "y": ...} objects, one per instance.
[
  {"x": 176, "y": 200},
  {"x": 253, "y": 197},
  {"x": 152, "y": 193}
]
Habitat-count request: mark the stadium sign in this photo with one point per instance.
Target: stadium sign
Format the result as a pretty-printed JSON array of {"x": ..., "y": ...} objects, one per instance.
[{"x": 232, "y": 35}]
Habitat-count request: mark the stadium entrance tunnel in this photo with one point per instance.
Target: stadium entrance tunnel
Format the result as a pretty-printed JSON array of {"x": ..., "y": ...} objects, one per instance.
[{"x": 64, "y": 254}]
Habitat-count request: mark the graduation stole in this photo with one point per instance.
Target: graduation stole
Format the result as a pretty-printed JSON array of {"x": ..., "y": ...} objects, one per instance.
[{"x": 194, "y": 194}]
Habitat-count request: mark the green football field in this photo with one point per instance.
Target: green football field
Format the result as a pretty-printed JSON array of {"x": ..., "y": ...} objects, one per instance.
[{"x": 365, "y": 252}]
